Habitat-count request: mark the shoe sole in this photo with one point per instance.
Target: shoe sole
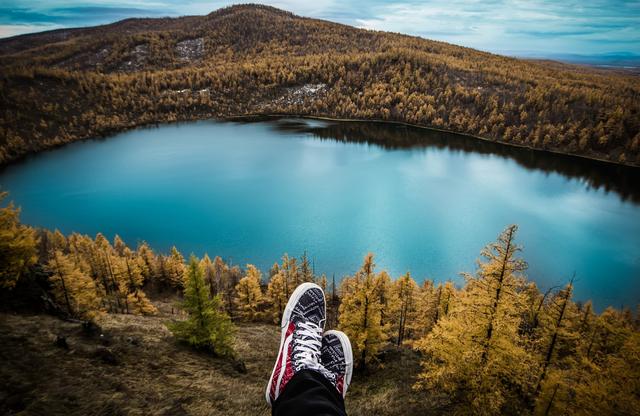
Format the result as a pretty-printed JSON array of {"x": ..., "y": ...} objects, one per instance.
[
  {"x": 348, "y": 356},
  {"x": 286, "y": 315}
]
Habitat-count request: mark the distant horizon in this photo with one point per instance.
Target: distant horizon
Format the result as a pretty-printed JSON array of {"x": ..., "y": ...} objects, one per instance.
[{"x": 595, "y": 32}]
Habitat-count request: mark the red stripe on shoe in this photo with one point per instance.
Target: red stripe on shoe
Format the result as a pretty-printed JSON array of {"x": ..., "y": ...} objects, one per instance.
[
  {"x": 340, "y": 384},
  {"x": 276, "y": 374}
]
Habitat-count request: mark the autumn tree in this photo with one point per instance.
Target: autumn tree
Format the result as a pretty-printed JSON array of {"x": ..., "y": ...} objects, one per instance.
[
  {"x": 474, "y": 354},
  {"x": 132, "y": 280},
  {"x": 17, "y": 246},
  {"x": 72, "y": 288},
  {"x": 171, "y": 270},
  {"x": 403, "y": 311},
  {"x": 360, "y": 313},
  {"x": 276, "y": 295},
  {"x": 249, "y": 294},
  {"x": 557, "y": 332},
  {"x": 207, "y": 326}
]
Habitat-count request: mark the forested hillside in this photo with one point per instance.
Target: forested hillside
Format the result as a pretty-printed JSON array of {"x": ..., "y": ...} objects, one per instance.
[
  {"x": 496, "y": 345},
  {"x": 65, "y": 85}
]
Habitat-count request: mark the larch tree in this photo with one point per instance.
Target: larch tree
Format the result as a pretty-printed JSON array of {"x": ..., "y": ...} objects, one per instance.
[
  {"x": 557, "y": 335},
  {"x": 132, "y": 267},
  {"x": 149, "y": 262},
  {"x": 306, "y": 270},
  {"x": 176, "y": 269},
  {"x": 18, "y": 245},
  {"x": 72, "y": 288},
  {"x": 473, "y": 355},
  {"x": 611, "y": 384},
  {"x": 107, "y": 269},
  {"x": 403, "y": 311},
  {"x": 322, "y": 282},
  {"x": 220, "y": 272},
  {"x": 249, "y": 294},
  {"x": 276, "y": 295},
  {"x": 207, "y": 326},
  {"x": 386, "y": 299},
  {"x": 209, "y": 274},
  {"x": 360, "y": 313}
]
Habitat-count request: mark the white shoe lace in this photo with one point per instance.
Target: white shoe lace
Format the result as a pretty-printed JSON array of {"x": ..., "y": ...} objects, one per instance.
[{"x": 306, "y": 349}]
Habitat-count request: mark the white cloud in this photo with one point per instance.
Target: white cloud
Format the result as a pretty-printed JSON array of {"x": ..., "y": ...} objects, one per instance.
[{"x": 14, "y": 30}]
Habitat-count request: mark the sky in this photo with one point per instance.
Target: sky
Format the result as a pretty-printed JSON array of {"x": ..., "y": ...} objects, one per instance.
[{"x": 512, "y": 27}]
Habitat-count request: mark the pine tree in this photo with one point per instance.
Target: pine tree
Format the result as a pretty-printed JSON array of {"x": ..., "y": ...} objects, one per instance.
[
  {"x": 276, "y": 296},
  {"x": 176, "y": 269},
  {"x": 209, "y": 274},
  {"x": 249, "y": 294},
  {"x": 17, "y": 246},
  {"x": 383, "y": 290},
  {"x": 306, "y": 271},
  {"x": 361, "y": 313},
  {"x": 322, "y": 282},
  {"x": 220, "y": 272},
  {"x": 558, "y": 332},
  {"x": 230, "y": 280},
  {"x": 403, "y": 312},
  {"x": 207, "y": 326},
  {"x": 73, "y": 289},
  {"x": 148, "y": 262},
  {"x": 132, "y": 281},
  {"x": 473, "y": 354}
]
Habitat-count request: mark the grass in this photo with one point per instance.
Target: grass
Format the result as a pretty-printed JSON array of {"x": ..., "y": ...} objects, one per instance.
[{"x": 137, "y": 368}]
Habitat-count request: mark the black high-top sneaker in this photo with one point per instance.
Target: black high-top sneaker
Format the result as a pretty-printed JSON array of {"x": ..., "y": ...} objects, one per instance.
[
  {"x": 302, "y": 325},
  {"x": 337, "y": 357}
]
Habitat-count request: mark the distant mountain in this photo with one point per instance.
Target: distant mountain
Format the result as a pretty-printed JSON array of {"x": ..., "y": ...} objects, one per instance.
[
  {"x": 613, "y": 59},
  {"x": 68, "y": 84}
]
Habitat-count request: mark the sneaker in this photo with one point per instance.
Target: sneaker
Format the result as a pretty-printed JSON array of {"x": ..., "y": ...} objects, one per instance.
[
  {"x": 337, "y": 357},
  {"x": 302, "y": 325}
]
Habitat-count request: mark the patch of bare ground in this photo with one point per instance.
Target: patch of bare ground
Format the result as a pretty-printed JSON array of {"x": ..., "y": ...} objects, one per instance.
[
  {"x": 136, "y": 59},
  {"x": 299, "y": 95},
  {"x": 133, "y": 366},
  {"x": 190, "y": 49},
  {"x": 85, "y": 61}
]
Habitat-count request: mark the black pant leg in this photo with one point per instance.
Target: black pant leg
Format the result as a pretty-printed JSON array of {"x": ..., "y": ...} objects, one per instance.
[{"x": 309, "y": 393}]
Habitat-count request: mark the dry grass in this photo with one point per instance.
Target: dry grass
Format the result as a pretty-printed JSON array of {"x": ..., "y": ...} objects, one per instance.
[{"x": 154, "y": 375}]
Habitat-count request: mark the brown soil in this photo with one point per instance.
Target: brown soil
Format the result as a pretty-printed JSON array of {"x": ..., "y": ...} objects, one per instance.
[{"x": 133, "y": 366}]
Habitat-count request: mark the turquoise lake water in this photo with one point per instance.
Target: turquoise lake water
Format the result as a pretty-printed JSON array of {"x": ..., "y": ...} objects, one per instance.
[{"x": 421, "y": 201}]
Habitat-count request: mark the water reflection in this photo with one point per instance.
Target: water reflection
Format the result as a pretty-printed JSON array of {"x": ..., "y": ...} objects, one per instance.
[{"x": 622, "y": 180}]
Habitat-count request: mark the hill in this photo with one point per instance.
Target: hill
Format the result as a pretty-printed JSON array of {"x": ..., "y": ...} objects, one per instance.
[
  {"x": 71, "y": 84},
  {"x": 136, "y": 367}
]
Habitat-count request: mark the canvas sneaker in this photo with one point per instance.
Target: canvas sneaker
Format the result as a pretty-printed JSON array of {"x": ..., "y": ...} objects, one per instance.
[
  {"x": 302, "y": 326},
  {"x": 337, "y": 357}
]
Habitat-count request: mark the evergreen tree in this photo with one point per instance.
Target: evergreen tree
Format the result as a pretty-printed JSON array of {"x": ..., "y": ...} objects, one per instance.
[
  {"x": 207, "y": 325},
  {"x": 17, "y": 246},
  {"x": 360, "y": 313}
]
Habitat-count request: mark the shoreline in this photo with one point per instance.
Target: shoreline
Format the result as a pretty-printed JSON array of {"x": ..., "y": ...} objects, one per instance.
[
  {"x": 418, "y": 126},
  {"x": 273, "y": 116}
]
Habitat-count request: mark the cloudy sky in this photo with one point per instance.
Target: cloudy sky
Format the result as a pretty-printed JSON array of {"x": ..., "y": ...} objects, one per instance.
[{"x": 515, "y": 27}]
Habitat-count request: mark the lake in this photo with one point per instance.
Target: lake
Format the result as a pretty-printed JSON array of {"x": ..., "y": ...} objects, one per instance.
[{"x": 420, "y": 200}]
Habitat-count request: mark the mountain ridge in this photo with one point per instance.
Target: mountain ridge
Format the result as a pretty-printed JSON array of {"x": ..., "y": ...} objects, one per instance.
[{"x": 254, "y": 59}]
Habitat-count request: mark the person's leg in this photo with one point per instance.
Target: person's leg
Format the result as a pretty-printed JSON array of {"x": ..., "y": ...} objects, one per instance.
[
  {"x": 301, "y": 383},
  {"x": 309, "y": 393}
]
